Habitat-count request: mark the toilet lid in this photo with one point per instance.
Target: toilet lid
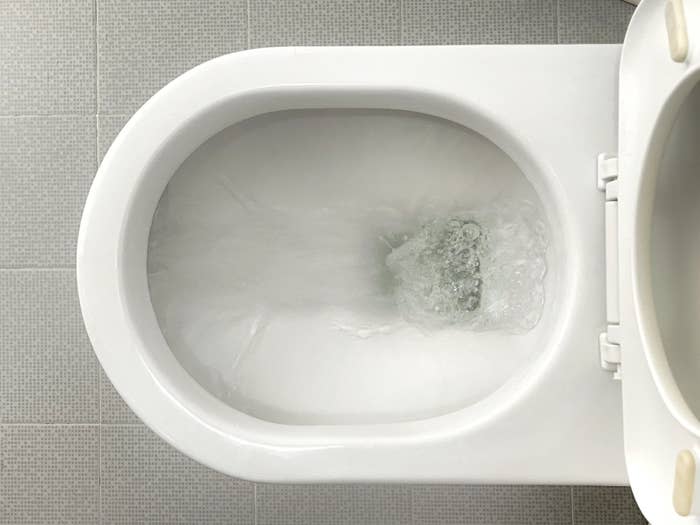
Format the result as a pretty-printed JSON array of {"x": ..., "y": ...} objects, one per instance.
[{"x": 659, "y": 68}]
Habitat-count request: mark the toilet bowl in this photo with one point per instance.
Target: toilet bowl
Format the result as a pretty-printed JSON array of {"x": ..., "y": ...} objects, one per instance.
[
  {"x": 267, "y": 272},
  {"x": 245, "y": 266},
  {"x": 264, "y": 135}
]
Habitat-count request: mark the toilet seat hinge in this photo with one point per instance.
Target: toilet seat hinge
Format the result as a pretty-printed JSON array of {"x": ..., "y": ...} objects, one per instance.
[
  {"x": 607, "y": 175},
  {"x": 610, "y": 350},
  {"x": 609, "y": 341}
]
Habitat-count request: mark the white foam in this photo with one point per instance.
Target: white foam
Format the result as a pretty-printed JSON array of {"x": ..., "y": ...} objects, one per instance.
[{"x": 481, "y": 269}]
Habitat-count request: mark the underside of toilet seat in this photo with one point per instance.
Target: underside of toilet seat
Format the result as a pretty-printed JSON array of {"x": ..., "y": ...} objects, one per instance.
[{"x": 659, "y": 422}]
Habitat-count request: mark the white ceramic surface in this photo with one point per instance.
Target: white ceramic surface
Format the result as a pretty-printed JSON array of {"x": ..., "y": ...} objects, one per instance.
[{"x": 549, "y": 108}]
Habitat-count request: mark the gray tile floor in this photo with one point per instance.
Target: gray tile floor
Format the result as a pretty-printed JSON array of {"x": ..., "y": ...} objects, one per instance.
[{"x": 71, "y": 72}]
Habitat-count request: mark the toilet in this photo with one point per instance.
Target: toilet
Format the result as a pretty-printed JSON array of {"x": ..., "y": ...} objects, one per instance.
[{"x": 241, "y": 245}]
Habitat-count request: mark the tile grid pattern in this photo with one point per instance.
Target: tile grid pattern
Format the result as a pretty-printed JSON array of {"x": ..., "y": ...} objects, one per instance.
[{"x": 71, "y": 71}]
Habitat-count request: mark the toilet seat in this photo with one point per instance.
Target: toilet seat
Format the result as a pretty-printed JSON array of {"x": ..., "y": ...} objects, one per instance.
[
  {"x": 658, "y": 422},
  {"x": 549, "y": 108}
]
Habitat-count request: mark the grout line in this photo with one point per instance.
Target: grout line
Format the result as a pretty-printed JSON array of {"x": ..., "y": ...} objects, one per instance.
[
  {"x": 45, "y": 115},
  {"x": 99, "y": 445},
  {"x": 571, "y": 502},
  {"x": 57, "y": 115},
  {"x": 247, "y": 23},
  {"x": 72, "y": 424},
  {"x": 49, "y": 425},
  {"x": 100, "y": 477},
  {"x": 558, "y": 17},
  {"x": 97, "y": 143},
  {"x": 63, "y": 115},
  {"x": 413, "y": 504},
  {"x": 97, "y": 60},
  {"x": 141, "y": 424},
  {"x": 255, "y": 504},
  {"x": 97, "y": 113},
  {"x": 38, "y": 269}
]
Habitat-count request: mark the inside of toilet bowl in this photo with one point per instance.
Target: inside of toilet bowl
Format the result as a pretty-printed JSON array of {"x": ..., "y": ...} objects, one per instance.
[
  {"x": 347, "y": 266},
  {"x": 675, "y": 249}
]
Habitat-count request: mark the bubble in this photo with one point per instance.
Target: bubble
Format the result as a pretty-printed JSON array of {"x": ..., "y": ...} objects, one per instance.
[{"x": 482, "y": 269}]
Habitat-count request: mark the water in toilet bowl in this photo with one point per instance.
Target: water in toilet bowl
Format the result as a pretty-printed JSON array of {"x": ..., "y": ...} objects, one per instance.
[
  {"x": 480, "y": 269},
  {"x": 322, "y": 267}
]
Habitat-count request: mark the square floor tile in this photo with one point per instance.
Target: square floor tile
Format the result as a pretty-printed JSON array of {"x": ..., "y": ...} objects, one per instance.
[
  {"x": 143, "y": 45},
  {"x": 492, "y": 504},
  {"x": 49, "y": 474},
  {"x": 48, "y": 371},
  {"x": 145, "y": 480},
  {"x": 46, "y": 169},
  {"x": 324, "y": 22},
  {"x": 479, "y": 22},
  {"x": 279, "y": 504},
  {"x": 605, "y": 506},
  {"x": 593, "y": 21},
  {"x": 47, "y": 57}
]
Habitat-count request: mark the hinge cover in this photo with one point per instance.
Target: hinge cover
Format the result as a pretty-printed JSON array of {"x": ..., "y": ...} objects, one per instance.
[
  {"x": 609, "y": 341},
  {"x": 610, "y": 352},
  {"x": 607, "y": 169}
]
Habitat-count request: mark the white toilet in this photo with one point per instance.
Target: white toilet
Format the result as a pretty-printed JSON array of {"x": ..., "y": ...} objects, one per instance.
[{"x": 246, "y": 312}]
